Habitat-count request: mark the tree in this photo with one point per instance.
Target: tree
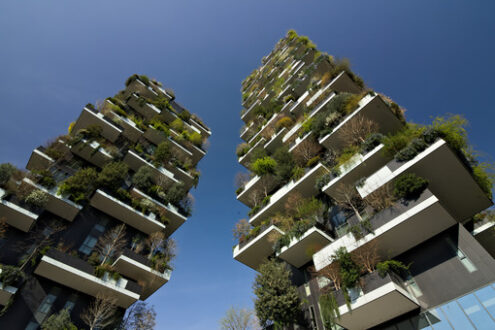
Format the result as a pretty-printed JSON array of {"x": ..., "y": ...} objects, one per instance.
[
  {"x": 111, "y": 243},
  {"x": 381, "y": 198},
  {"x": 112, "y": 175},
  {"x": 305, "y": 151},
  {"x": 162, "y": 153},
  {"x": 332, "y": 272},
  {"x": 277, "y": 300},
  {"x": 347, "y": 197},
  {"x": 140, "y": 317},
  {"x": 143, "y": 178},
  {"x": 241, "y": 230},
  {"x": 81, "y": 185},
  {"x": 241, "y": 178},
  {"x": 349, "y": 270},
  {"x": 161, "y": 250},
  {"x": 367, "y": 256},
  {"x": 239, "y": 319},
  {"x": 356, "y": 130},
  {"x": 101, "y": 312},
  {"x": 59, "y": 321}
]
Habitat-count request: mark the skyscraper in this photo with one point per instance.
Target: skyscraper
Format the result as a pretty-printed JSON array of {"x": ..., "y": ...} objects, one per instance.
[
  {"x": 380, "y": 221},
  {"x": 90, "y": 221}
]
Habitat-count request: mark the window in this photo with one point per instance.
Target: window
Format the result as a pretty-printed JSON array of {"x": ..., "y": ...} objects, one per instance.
[
  {"x": 462, "y": 257},
  {"x": 44, "y": 309},
  {"x": 413, "y": 287},
  {"x": 70, "y": 303},
  {"x": 88, "y": 244},
  {"x": 33, "y": 325}
]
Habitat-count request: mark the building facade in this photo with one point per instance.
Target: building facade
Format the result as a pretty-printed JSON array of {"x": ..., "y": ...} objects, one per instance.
[
  {"x": 91, "y": 218},
  {"x": 380, "y": 221}
]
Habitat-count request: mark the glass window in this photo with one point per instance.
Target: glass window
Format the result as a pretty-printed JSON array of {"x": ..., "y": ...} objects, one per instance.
[
  {"x": 420, "y": 322},
  {"x": 88, "y": 245},
  {"x": 476, "y": 313},
  {"x": 487, "y": 297},
  {"x": 456, "y": 316},
  {"x": 437, "y": 319},
  {"x": 33, "y": 325},
  {"x": 46, "y": 305}
]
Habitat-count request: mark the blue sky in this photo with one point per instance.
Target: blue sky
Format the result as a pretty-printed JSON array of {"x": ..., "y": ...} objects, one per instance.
[{"x": 432, "y": 57}]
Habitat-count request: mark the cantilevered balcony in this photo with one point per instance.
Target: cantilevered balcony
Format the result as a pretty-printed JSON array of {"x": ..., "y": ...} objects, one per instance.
[
  {"x": 448, "y": 177},
  {"x": 197, "y": 153},
  {"x": 17, "y": 213},
  {"x": 90, "y": 117},
  {"x": 93, "y": 152},
  {"x": 379, "y": 299},
  {"x": 305, "y": 187},
  {"x": 270, "y": 124},
  {"x": 56, "y": 204},
  {"x": 256, "y": 186},
  {"x": 160, "y": 175},
  {"x": 359, "y": 166},
  {"x": 146, "y": 223},
  {"x": 300, "y": 250},
  {"x": 130, "y": 129},
  {"x": 204, "y": 131},
  {"x": 370, "y": 107},
  {"x": 394, "y": 230},
  {"x": 175, "y": 219},
  {"x": 156, "y": 137},
  {"x": 344, "y": 84},
  {"x": 276, "y": 140},
  {"x": 253, "y": 252},
  {"x": 139, "y": 87},
  {"x": 147, "y": 110},
  {"x": 77, "y": 274},
  {"x": 484, "y": 233},
  {"x": 39, "y": 160},
  {"x": 249, "y": 131},
  {"x": 6, "y": 292},
  {"x": 245, "y": 160},
  {"x": 138, "y": 268},
  {"x": 248, "y": 115}
]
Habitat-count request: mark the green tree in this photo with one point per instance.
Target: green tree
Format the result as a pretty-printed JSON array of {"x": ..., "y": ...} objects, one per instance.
[
  {"x": 6, "y": 171},
  {"x": 59, "y": 321},
  {"x": 277, "y": 300},
  {"x": 349, "y": 270},
  {"x": 81, "y": 185},
  {"x": 263, "y": 166},
  {"x": 162, "y": 153},
  {"x": 285, "y": 164},
  {"x": 112, "y": 175},
  {"x": 143, "y": 178}
]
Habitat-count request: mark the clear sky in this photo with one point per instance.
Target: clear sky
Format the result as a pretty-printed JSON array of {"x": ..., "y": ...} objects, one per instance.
[{"x": 432, "y": 57}]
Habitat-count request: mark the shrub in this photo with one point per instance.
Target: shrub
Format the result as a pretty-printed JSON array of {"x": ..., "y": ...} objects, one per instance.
[
  {"x": 452, "y": 130},
  {"x": 263, "y": 166},
  {"x": 483, "y": 178},
  {"x": 242, "y": 149},
  {"x": 71, "y": 127},
  {"x": 59, "y": 321},
  {"x": 37, "y": 198},
  {"x": 371, "y": 142},
  {"x": 288, "y": 98},
  {"x": 144, "y": 79},
  {"x": 159, "y": 125},
  {"x": 393, "y": 143},
  {"x": 286, "y": 122},
  {"x": 143, "y": 178},
  {"x": 80, "y": 186},
  {"x": 409, "y": 186},
  {"x": 313, "y": 161},
  {"x": 413, "y": 148},
  {"x": 389, "y": 266},
  {"x": 162, "y": 154},
  {"x": 10, "y": 275},
  {"x": 45, "y": 178},
  {"x": 6, "y": 171},
  {"x": 185, "y": 115},
  {"x": 352, "y": 103},
  {"x": 196, "y": 139},
  {"x": 112, "y": 175},
  {"x": 347, "y": 154},
  {"x": 177, "y": 125},
  {"x": 176, "y": 193},
  {"x": 285, "y": 164},
  {"x": 322, "y": 181},
  {"x": 349, "y": 270}
]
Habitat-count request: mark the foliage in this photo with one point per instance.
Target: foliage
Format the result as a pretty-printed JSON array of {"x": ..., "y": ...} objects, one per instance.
[
  {"x": 297, "y": 173},
  {"x": 242, "y": 149},
  {"x": 239, "y": 319},
  {"x": 241, "y": 230},
  {"x": 285, "y": 164},
  {"x": 390, "y": 266},
  {"x": 37, "y": 198},
  {"x": 143, "y": 178},
  {"x": 393, "y": 143},
  {"x": 185, "y": 115},
  {"x": 409, "y": 186},
  {"x": 196, "y": 139},
  {"x": 6, "y": 171},
  {"x": 140, "y": 316},
  {"x": 328, "y": 117},
  {"x": 413, "y": 148},
  {"x": 162, "y": 154},
  {"x": 45, "y": 178},
  {"x": 452, "y": 130},
  {"x": 277, "y": 300},
  {"x": 263, "y": 166},
  {"x": 322, "y": 181},
  {"x": 285, "y": 121},
  {"x": 80, "y": 186},
  {"x": 347, "y": 154},
  {"x": 112, "y": 175},
  {"x": 329, "y": 310},
  {"x": 59, "y": 321},
  {"x": 177, "y": 125},
  {"x": 371, "y": 142},
  {"x": 288, "y": 98},
  {"x": 349, "y": 270},
  {"x": 484, "y": 179},
  {"x": 344, "y": 65},
  {"x": 10, "y": 275}
]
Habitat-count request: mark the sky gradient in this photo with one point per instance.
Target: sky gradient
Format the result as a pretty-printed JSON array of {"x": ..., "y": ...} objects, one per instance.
[{"x": 431, "y": 57}]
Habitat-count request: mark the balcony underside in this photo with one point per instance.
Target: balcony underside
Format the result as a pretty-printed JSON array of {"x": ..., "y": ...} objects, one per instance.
[
  {"x": 81, "y": 281},
  {"x": 89, "y": 118},
  {"x": 253, "y": 253},
  {"x": 17, "y": 216},
  {"x": 6, "y": 293},
  {"x": 485, "y": 235},
  {"x": 39, "y": 161},
  {"x": 300, "y": 251},
  {"x": 125, "y": 213}
]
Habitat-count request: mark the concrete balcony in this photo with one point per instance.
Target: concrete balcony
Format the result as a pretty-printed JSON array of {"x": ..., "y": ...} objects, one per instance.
[
  {"x": 248, "y": 115},
  {"x": 396, "y": 229},
  {"x": 160, "y": 175},
  {"x": 156, "y": 137},
  {"x": 256, "y": 186},
  {"x": 39, "y": 160},
  {"x": 270, "y": 124},
  {"x": 343, "y": 83},
  {"x": 57, "y": 204},
  {"x": 77, "y": 274},
  {"x": 127, "y": 214},
  {"x": 130, "y": 129},
  {"x": 139, "y": 87},
  {"x": 175, "y": 219},
  {"x": 16, "y": 213},
  {"x": 92, "y": 152},
  {"x": 249, "y": 131},
  {"x": 305, "y": 187},
  {"x": 252, "y": 253},
  {"x": 370, "y": 107},
  {"x": 359, "y": 166},
  {"x": 90, "y": 117},
  {"x": 300, "y": 250},
  {"x": 197, "y": 153},
  {"x": 485, "y": 235},
  {"x": 246, "y": 159},
  {"x": 138, "y": 268},
  {"x": 145, "y": 109},
  {"x": 379, "y": 300},
  {"x": 448, "y": 177},
  {"x": 276, "y": 140},
  {"x": 6, "y": 292},
  {"x": 205, "y": 131}
]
